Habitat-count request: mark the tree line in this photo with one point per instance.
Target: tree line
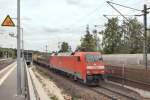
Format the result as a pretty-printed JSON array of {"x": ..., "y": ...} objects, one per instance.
[
  {"x": 8, "y": 52},
  {"x": 125, "y": 37}
]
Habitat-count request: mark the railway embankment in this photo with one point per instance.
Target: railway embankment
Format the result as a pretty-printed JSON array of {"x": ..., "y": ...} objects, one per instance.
[{"x": 75, "y": 90}]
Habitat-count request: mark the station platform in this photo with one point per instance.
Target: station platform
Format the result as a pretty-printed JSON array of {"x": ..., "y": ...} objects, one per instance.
[{"x": 8, "y": 83}]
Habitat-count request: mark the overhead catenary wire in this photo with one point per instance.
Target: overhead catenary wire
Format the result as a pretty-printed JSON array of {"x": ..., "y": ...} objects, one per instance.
[
  {"x": 109, "y": 2},
  {"x": 144, "y": 13},
  {"x": 86, "y": 16},
  {"x": 117, "y": 10},
  {"x": 130, "y": 16},
  {"x": 121, "y": 15},
  {"x": 124, "y": 16}
]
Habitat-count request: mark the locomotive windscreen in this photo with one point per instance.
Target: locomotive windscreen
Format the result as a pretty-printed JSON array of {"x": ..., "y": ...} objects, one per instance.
[{"x": 93, "y": 58}]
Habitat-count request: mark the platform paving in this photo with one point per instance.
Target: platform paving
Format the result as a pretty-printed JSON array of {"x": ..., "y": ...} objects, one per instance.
[{"x": 8, "y": 87}]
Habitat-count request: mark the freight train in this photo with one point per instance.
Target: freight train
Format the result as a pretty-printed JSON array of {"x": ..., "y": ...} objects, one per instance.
[{"x": 87, "y": 67}]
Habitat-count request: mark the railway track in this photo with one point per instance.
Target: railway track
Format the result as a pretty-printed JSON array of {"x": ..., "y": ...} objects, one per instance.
[
  {"x": 112, "y": 94},
  {"x": 5, "y": 62},
  {"x": 104, "y": 94},
  {"x": 108, "y": 93},
  {"x": 130, "y": 82},
  {"x": 134, "y": 81}
]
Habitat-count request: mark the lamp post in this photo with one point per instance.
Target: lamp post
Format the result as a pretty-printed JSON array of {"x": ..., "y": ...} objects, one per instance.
[
  {"x": 22, "y": 43},
  {"x": 18, "y": 50}
]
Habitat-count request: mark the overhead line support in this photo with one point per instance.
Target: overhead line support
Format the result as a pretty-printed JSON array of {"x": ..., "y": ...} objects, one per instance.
[
  {"x": 123, "y": 6},
  {"x": 145, "y": 34},
  {"x": 117, "y": 10}
]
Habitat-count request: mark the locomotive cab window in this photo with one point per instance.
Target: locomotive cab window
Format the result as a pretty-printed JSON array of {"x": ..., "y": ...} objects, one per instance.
[{"x": 93, "y": 58}]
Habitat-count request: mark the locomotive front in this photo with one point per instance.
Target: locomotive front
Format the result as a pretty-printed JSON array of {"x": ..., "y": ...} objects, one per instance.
[{"x": 94, "y": 68}]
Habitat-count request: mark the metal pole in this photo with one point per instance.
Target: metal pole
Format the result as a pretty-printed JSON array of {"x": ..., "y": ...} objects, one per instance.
[
  {"x": 123, "y": 75},
  {"x": 145, "y": 35},
  {"x": 27, "y": 56},
  {"x": 22, "y": 44},
  {"x": 18, "y": 50},
  {"x": 46, "y": 49}
]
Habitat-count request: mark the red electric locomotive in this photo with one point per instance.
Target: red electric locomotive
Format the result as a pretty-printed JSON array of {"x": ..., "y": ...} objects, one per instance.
[{"x": 85, "y": 66}]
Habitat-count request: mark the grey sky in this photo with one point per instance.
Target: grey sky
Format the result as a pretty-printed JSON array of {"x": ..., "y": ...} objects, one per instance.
[{"x": 52, "y": 21}]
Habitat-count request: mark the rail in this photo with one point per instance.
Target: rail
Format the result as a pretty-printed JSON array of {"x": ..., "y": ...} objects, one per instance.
[
  {"x": 124, "y": 95},
  {"x": 104, "y": 94},
  {"x": 111, "y": 93},
  {"x": 135, "y": 77},
  {"x": 126, "y": 79}
]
